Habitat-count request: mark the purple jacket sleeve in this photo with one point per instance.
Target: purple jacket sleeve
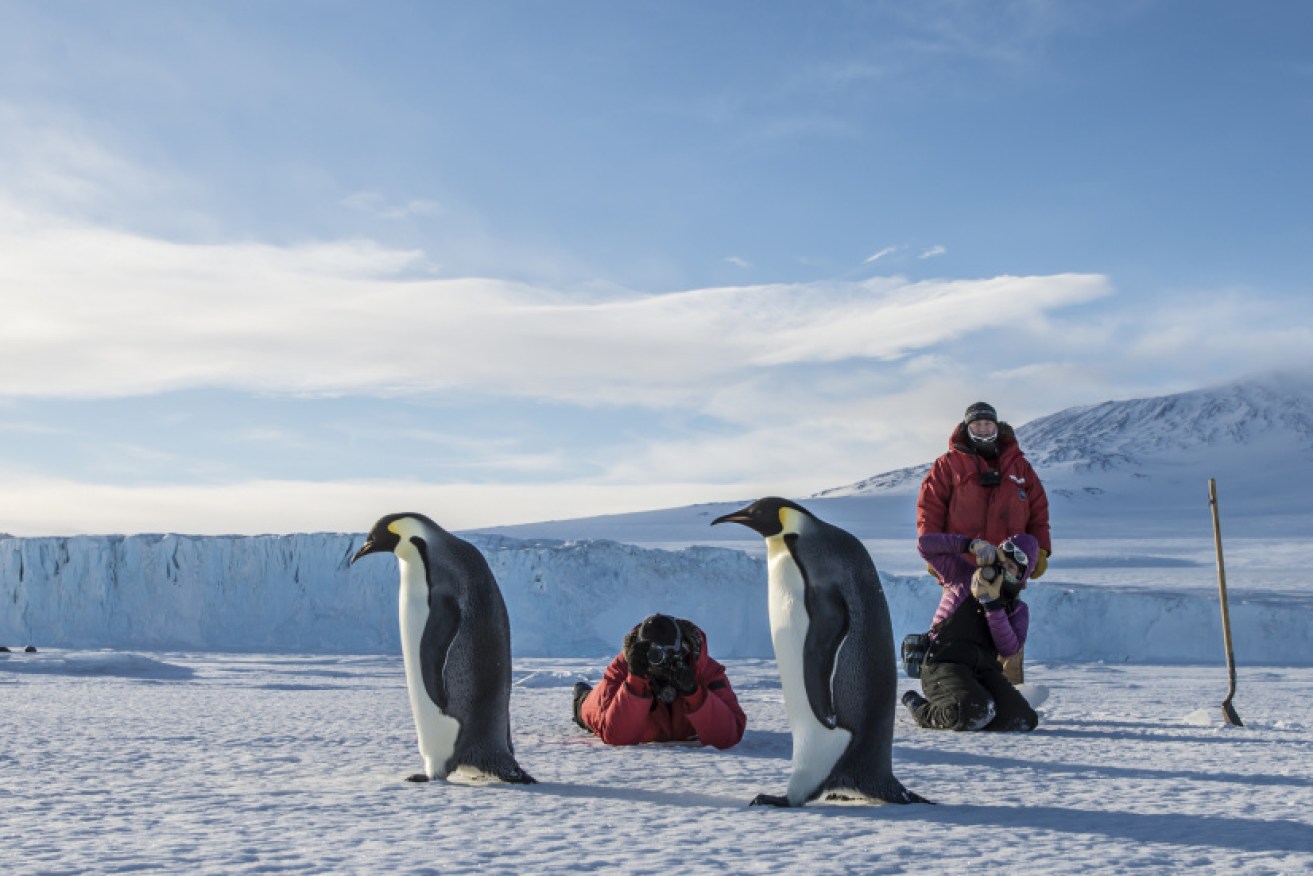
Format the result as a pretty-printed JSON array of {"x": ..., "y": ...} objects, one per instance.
[
  {"x": 944, "y": 554},
  {"x": 1008, "y": 628}
]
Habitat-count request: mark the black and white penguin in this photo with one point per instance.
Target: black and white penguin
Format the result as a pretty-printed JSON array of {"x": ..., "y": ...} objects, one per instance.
[
  {"x": 456, "y": 647},
  {"x": 834, "y": 647}
]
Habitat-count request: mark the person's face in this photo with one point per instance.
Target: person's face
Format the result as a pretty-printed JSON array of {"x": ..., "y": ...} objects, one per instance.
[
  {"x": 983, "y": 428},
  {"x": 1010, "y": 569}
]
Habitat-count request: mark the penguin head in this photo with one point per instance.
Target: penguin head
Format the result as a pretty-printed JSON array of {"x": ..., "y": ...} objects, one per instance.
[
  {"x": 388, "y": 532},
  {"x": 769, "y": 517}
]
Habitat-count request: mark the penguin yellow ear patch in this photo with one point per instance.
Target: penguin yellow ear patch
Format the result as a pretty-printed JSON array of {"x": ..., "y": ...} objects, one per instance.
[{"x": 789, "y": 520}]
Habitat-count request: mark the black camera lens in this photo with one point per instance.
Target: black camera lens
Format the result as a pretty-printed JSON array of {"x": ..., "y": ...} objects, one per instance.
[{"x": 660, "y": 655}]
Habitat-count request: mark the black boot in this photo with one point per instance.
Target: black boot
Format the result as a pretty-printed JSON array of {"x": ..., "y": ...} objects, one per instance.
[
  {"x": 581, "y": 691},
  {"x": 913, "y": 701}
]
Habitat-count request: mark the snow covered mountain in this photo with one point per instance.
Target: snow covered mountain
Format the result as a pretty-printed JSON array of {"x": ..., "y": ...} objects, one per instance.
[
  {"x": 1251, "y": 423},
  {"x": 1137, "y": 468}
]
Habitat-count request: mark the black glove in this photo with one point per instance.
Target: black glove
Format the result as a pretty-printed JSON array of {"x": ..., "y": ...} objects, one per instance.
[
  {"x": 684, "y": 677},
  {"x": 636, "y": 654}
]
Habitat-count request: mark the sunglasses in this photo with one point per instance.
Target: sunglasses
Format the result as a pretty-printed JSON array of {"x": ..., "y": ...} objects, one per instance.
[{"x": 1014, "y": 553}]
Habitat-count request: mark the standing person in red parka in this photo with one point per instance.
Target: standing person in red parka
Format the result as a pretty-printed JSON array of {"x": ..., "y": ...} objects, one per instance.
[
  {"x": 662, "y": 687},
  {"x": 983, "y": 488}
]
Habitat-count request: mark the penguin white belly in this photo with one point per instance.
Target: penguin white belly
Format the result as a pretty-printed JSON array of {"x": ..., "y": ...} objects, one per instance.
[
  {"x": 436, "y": 730},
  {"x": 816, "y": 748}
]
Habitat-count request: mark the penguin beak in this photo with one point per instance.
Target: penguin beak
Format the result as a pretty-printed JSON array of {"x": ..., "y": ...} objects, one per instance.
[
  {"x": 762, "y": 517},
  {"x": 368, "y": 547},
  {"x": 748, "y": 518}
]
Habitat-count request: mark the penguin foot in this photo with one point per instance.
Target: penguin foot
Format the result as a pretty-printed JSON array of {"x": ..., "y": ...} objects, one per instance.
[
  {"x": 849, "y": 794},
  {"x": 770, "y": 800},
  {"x": 507, "y": 772},
  {"x": 417, "y": 777},
  {"x": 899, "y": 794},
  {"x": 518, "y": 777}
]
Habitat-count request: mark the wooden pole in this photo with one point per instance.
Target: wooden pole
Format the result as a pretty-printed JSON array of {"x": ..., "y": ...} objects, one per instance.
[{"x": 1228, "y": 710}]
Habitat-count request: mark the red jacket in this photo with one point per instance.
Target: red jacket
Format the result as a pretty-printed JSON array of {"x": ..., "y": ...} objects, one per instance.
[
  {"x": 622, "y": 711},
  {"x": 952, "y": 499}
]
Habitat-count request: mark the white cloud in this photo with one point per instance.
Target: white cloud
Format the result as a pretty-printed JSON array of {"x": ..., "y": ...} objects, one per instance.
[
  {"x": 737, "y": 262},
  {"x": 933, "y": 251},
  {"x": 875, "y": 257},
  {"x": 93, "y": 312}
]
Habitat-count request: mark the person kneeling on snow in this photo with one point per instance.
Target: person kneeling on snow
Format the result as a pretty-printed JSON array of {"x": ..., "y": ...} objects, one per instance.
[
  {"x": 662, "y": 687},
  {"x": 980, "y": 618}
]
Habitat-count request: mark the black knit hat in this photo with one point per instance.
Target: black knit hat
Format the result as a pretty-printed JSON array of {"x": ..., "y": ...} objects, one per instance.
[{"x": 980, "y": 411}]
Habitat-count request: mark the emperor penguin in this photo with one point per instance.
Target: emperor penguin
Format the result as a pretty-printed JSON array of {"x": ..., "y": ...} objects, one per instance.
[
  {"x": 834, "y": 647},
  {"x": 456, "y": 648}
]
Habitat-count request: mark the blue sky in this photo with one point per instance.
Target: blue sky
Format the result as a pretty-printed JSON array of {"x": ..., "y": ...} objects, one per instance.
[{"x": 288, "y": 266}]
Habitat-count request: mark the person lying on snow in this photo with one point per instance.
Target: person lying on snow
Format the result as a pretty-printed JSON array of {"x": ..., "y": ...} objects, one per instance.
[
  {"x": 662, "y": 687},
  {"x": 980, "y": 618}
]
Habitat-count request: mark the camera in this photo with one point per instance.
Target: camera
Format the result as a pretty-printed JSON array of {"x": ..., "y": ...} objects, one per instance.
[
  {"x": 663, "y": 655},
  {"x": 991, "y": 478},
  {"x": 992, "y": 571},
  {"x": 662, "y": 673}
]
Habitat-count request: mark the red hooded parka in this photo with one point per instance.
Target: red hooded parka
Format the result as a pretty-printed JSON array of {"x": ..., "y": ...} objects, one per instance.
[
  {"x": 953, "y": 500},
  {"x": 622, "y": 711}
]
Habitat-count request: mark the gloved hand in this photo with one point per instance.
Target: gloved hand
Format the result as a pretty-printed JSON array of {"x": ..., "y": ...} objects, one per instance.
[
  {"x": 985, "y": 552},
  {"x": 636, "y": 655},
  {"x": 986, "y": 592},
  {"x": 684, "y": 677},
  {"x": 1041, "y": 565}
]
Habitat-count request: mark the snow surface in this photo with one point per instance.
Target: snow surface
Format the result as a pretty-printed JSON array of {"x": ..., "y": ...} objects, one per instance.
[{"x": 243, "y": 763}]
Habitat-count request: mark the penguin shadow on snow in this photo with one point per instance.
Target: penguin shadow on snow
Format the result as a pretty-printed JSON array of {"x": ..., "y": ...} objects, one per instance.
[
  {"x": 770, "y": 744},
  {"x": 1239, "y": 834},
  {"x": 1023, "y": 766},
  {"x": 682, "y": 799},
  {"x": 685, "y": 799}
]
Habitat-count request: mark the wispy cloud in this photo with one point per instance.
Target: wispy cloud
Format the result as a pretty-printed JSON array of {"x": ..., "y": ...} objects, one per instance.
[
  {"x": 933, "y": 251},
  {"x": 737, "y": 262},
  {"x": 875, "y": 257},
  {"x": 374, "y": 204},
  {"x": 134, "y": 315}
]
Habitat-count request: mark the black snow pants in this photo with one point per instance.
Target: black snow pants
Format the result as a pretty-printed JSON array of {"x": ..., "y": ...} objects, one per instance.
[{"x": 964, "y": 685}]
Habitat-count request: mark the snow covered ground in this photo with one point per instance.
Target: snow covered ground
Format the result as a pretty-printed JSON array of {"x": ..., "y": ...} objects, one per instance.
[{"x": 242, "y": 763}]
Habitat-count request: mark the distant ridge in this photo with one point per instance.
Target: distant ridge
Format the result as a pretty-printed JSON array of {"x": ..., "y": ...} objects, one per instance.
[
  {"x": 1136, "y": 468},
  {"x": 1206, "y": 425}
]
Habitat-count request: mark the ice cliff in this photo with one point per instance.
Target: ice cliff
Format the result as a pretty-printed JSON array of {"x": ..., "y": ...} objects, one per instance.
[{"x": 296, "y": 593}]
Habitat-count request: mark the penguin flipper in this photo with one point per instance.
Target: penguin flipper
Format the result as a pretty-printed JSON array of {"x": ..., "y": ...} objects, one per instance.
[
  {"x": 827, "y": 626},
  {"x": 443, "y": 622}
]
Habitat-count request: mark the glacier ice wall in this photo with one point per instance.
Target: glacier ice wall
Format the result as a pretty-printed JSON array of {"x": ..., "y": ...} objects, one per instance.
[{"x": 296, "y": 593}]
